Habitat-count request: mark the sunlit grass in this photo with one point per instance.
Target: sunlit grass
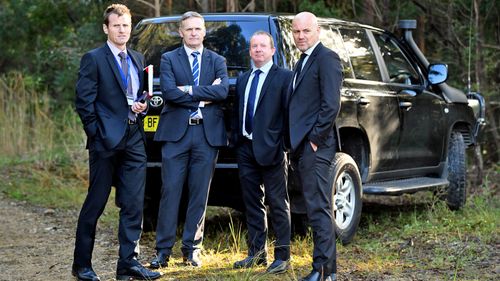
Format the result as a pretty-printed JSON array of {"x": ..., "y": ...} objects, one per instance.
[{"x": 410, "y": 237}]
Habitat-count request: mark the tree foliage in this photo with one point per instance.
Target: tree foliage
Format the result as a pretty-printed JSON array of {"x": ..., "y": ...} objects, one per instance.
[{"x": 45, "y": 39}]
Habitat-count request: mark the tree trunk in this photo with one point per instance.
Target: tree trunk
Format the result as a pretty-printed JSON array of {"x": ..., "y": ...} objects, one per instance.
[
  {"x": 479, "y": 66},
  {"x": 421, "y": 33},
  {"x": 368, "y": 13},
  {"x": 168, "y": 3},
  {"x": 232, "y": 5},
  {"x": 204, "y": 5}
]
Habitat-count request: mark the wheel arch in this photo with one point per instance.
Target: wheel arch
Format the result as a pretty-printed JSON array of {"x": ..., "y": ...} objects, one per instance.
[{"x": 353, "y": 141}]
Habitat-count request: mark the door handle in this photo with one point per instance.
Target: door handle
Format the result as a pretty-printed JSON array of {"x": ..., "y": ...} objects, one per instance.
[
  {"x": 363, "y": 101},
  {"x": 405, "y": 104}
]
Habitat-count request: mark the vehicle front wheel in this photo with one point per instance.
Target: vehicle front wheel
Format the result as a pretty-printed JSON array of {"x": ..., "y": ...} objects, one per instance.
[
  {"x": 456, "y": 162},
  {"x": 346, "y": 183}
]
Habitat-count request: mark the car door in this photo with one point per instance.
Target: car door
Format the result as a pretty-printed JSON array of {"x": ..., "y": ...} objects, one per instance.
[
  {"x": 376, "y": 105},
  {"x": 421, "y": 111}
]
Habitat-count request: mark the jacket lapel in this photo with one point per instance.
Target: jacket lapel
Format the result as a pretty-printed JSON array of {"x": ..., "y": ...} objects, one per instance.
[
  {"x": 267, "y": 82},
  {"x": 309, "y": 62},
  {"x": 140, "y": 69},
  {"x": 114, "y": 67},
  {"x": 184, "y": 63},
  {"x": 206, "y": 61}
]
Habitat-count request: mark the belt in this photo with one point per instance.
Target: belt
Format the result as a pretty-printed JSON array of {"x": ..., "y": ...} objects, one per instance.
[
  {"x": 132, "y": 122},
  {"x": 195, "y": 121}
]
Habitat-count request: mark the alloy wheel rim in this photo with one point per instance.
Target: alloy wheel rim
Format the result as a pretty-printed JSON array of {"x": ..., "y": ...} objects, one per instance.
[{"x": 344, "y": 200}]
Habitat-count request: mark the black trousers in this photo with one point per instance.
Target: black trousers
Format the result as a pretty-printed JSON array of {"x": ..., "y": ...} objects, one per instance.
[
  {"x": 190, "y": 158},
  {"x": 313, "y": 169},
  {"x": 261, "y": 185},
  {"x": 125, "y": 168}
]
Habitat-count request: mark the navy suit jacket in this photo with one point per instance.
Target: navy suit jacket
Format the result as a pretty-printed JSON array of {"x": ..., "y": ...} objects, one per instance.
[
  {"x": 269, "y": 117},
  {"x": 315, "y": 102},
  {"x": 176, "y": 71},
  {"x": 101, "y": 97}
]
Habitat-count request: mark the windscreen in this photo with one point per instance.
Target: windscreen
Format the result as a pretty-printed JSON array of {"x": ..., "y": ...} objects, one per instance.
[{"x": 230, "y": 39}]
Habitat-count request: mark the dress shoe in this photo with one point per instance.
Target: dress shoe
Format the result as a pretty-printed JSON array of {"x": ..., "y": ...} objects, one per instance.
[
  {"x": 84, "y": 274},
  {"x": 317, "y": 276},
  {"x": 137, "y": 272},
  {"x": 250, "y": 261},
  {"x": 192, "y": 259},
  {"x": 278, "y": 266},
  {"x": 161, "y": 260}
]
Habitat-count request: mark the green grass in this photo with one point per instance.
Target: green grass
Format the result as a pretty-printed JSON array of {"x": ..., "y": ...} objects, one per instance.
[{"x": 412, "y": 237}]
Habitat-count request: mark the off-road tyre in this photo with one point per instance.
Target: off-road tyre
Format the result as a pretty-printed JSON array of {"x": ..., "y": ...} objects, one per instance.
[
  {"x": 457, "y": 172},
  {"x": 346, "y": 196}
]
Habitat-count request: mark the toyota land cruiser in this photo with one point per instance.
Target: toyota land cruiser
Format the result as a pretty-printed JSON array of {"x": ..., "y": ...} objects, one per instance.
[{"x": 401, "y": 128}]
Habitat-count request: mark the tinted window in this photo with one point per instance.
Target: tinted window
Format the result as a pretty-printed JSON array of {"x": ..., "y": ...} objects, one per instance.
[
  {"x": 360, "y": 51},
  {"x": 399, "y": 68},
  {"x": 229, "y": 39},
  {"x": 333, "y": 40}
]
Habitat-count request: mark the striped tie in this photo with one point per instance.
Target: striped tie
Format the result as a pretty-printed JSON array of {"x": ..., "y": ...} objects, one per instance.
[
  {"x": 196, "y": 72},
  {"x": 196, "y": 68}
]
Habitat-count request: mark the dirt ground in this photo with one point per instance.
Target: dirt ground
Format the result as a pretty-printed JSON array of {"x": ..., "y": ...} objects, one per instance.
[{"x": 37, "y": 244}]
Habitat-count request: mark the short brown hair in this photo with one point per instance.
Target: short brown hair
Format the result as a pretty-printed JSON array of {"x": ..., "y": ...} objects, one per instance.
[
  {"x": 188, "y": 15},
  {"x": 118, "y": 9}
]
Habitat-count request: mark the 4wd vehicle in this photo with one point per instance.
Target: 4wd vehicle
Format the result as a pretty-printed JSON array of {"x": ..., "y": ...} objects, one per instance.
[{"x": 401, "y": 129}]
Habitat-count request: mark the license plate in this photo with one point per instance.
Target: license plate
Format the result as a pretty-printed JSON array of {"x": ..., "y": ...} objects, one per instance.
[{"x": 151, "y": 123}]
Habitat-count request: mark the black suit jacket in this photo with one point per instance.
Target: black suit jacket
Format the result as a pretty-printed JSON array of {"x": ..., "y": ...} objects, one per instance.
[
  {"x": 101, "y": 97},
  {"x": 268, "y": 121},
  {"x": 176, "y": 71},
  {"x": 315, "y": 102}
]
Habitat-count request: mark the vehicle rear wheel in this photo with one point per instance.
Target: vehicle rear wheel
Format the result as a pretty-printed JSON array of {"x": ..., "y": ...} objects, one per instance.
[
  {"x": 347, "y": 204},
  {"x": 456, "y": 165}
]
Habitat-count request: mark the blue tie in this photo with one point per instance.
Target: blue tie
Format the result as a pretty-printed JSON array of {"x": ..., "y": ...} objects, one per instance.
[
  {"x": 251, "y": 102},
  {"x": 196, "y": 71},
  {"x": 196, "y": 68}
]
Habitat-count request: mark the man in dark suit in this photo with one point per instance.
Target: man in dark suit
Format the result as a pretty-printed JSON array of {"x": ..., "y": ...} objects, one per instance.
[
  {"x": 108, "y": 84},
  {"x": 193, "y": 83},
  {"x": 313, "y": 106},
  {"x": 258, "y": 129}
]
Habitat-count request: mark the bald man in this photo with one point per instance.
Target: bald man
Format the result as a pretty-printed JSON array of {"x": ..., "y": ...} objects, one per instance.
[{"x": 313, "y": 106}]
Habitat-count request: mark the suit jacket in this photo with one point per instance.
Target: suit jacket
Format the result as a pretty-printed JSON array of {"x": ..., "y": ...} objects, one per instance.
[
  {"x": 269, "y": 117},
  {"x": 315, "y": 102},
  {"x": 101, "y": 97},
  {"x": 176, "y": 71}
]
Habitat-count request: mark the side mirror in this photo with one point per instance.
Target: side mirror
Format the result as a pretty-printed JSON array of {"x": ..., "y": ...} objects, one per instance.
[{"x": 437, "y": 73}]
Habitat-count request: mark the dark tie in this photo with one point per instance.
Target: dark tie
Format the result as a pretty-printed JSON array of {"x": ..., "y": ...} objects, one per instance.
[
  {"x": 298, "y": 69},
  {"x": 124, "y": 63},
  {"x": 130, "y": 94},
  {"x": 251, "y": 102}
]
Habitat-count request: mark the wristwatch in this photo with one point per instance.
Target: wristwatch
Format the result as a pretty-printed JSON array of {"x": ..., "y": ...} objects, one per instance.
[{"x": 186, "y": 89}]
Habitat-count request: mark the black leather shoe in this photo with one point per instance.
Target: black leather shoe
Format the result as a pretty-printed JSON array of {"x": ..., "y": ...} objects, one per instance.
[
  {"x": 84, "y": 274},
  {"x": 250, "y": 261},
  {"x": 192, "y": 259},
  {"x": 161, "y": 260},
  {"x": 137, "y": 272},
  {"x": 278, "y": 266},
  {"x": 316, "y": 276}
]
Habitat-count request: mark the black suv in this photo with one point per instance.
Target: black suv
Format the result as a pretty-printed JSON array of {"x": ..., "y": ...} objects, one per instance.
[{"x": 401, "y": 129}]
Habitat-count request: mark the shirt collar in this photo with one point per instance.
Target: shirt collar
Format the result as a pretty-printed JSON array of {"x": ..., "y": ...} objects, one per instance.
[
  {"x": 265, "y": 68},
  {"x": 309, "y": 51},
  {"x": 115, "y": 50},
  {"x": 189, "y": 51}
]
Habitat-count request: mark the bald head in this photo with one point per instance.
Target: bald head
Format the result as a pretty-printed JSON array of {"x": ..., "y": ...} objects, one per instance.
[{"x": 305, "y": 30}]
